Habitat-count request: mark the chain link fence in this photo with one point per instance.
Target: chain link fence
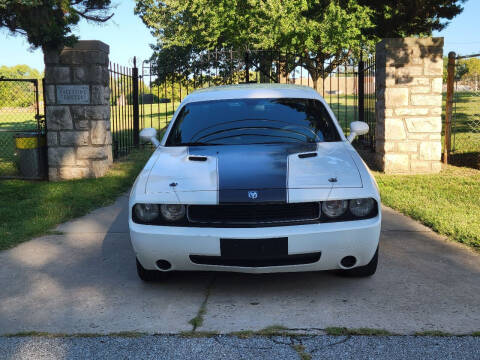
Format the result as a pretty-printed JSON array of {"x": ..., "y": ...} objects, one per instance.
[
  {"x": 22, "y": 129},
  {"x": 462, "y": 143}
]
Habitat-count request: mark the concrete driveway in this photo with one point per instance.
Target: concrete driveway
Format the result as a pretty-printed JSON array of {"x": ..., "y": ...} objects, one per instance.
[{"x": 83, "y": 280}]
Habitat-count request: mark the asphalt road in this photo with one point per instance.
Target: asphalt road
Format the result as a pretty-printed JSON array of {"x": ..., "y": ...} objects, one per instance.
[
  {"x": 83, "y": 281},
  {"x": 228, "y": 347}
]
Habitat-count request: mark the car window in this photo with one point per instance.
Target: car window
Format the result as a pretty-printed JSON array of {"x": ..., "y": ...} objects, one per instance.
[{"x": 252, "y": 121}]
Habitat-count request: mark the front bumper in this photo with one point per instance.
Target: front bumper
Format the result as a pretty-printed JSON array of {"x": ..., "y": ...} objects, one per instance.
[{"x": 333, "y": 240}]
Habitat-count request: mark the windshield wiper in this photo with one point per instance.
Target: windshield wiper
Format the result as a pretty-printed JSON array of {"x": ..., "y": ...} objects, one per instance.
[
  {"x": 254, "y": 128},
  {"x": 259, "y": 135},
  {"x": 196, "y": 143}
]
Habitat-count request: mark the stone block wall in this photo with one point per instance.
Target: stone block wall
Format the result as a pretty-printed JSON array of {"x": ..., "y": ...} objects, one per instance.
[
  {"x": 409, "y": 105},
  {"x": 78, "y": 126}
]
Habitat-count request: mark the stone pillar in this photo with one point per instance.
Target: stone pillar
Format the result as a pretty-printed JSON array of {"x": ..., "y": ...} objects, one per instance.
[
  {"x": 78, "y": 111},
  {"x": 409, "y": 105}
]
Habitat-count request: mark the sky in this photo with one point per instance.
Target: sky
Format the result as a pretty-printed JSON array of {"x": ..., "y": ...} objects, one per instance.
[
  {"x": 129, "y": 37},
  {"x": 125, "y": 33}
]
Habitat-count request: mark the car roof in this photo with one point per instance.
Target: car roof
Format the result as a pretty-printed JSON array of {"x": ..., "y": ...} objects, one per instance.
[{"x": 246, "y": 91}]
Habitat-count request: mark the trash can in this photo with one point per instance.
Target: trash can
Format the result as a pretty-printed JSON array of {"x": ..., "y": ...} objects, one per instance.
[{"x": 31, "y": 154}]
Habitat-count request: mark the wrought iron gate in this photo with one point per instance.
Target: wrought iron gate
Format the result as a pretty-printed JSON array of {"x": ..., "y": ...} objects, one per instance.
[
  {"x": 348, "y": 85},
  {"x": 123, "y": 108},
  {"x": 22, "y": 129},
  {"x": 149, "y": 99}
]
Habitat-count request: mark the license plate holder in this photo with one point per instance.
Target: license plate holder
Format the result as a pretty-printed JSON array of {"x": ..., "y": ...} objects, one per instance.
[{"x": 254, "y": 248}]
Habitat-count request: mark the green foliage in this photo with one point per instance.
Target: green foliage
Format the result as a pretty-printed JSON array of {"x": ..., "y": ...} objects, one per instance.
[
  {"x": 399, "y": 18},
  {"x": 20, "y": 72},
  {"x": 48, "y": 23},
  {"x": 17, "y": 94},
  {"x": 472, "y": 66},
  {"x": 325, "y": 32},
  {"x": 463, "y": 68}
]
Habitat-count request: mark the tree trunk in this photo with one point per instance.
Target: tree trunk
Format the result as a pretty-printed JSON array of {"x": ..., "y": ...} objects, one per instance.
[
  {"x": 315, "y": 75},
  {"x": 265, "y": 69},
  {"x": 282, "y": 71}
]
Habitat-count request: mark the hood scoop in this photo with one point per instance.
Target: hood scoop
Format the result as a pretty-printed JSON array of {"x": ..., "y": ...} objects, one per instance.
[
  {"x": 307, "y": 155},
  {"x": 197, "y": 158}
]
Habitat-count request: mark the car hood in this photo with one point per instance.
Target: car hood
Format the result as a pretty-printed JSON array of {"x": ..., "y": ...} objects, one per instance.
[{"x": 269, "y": 169}]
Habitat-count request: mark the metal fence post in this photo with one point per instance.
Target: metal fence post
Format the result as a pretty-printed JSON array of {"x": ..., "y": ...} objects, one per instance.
[
  {"x": 136, "y": 118},
  {"x": 247, "y": 68},
  {"x": 361, "y": 91},
  {"x": 448, "y": 105}
]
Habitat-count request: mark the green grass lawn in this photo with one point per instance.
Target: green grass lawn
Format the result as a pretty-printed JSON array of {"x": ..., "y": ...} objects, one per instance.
[
  {"x": 30, "y": 208},
  {"x": 448, "y": 202}
]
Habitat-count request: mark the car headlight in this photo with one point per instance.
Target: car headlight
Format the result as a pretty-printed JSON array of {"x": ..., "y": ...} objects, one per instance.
[
  {"x": 361, "y": 207},
  {"x": 172, "y": 212},
  {"x": 146, "y": 212},
  {"x": 334, "y": 208}
]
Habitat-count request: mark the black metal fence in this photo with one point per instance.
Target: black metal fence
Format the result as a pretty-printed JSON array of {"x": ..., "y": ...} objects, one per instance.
[
  {"x": 22, "y": 129},
  {"x": 346, "y": 84},
  {"x": 123, "y": 108},
  {"x": 149, "y": 99},
  {"x": 366, "y": 100}
]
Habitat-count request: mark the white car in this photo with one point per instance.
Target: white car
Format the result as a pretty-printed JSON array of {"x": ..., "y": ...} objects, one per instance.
[{"x": 255, "y": 178}]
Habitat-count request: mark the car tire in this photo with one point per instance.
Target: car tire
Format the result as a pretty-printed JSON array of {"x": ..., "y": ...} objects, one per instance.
[
  {"x": 148, "y": 275},
  {"x": 363, "y": 271}
]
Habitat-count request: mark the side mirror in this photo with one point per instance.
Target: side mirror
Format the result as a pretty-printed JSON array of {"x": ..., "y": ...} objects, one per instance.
[
  {"x": 150, "y": 134},
  {"x": 357, "y": 128}
]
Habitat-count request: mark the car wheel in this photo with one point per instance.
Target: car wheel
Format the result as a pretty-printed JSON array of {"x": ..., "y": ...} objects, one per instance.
[
  {"x": 149, "y": 275},
  {"x": 363, "y": 271}
]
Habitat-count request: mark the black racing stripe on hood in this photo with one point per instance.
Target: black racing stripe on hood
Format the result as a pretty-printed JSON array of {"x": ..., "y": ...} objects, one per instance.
[{"x": 260, "y": 168}]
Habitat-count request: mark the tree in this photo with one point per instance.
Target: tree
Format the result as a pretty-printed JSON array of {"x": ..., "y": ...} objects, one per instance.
[
  {"x": 48, "y": 23},
  {"x": 17, "y": 94},
  {"x": 19, "y": 72},
  {"x": 473, "y": 66},
  {"x": 399, "y": 18},
  {"x": 468, "y": 71},
  {"x": 325, "y": 32},
  {"x": 464, "y": 68},
  {"x": 325, "y": 36}
]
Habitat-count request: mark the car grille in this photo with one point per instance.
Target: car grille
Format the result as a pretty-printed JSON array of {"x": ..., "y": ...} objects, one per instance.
[
  {"x": 296, "y": 259},
  {"x": 254, "y": 214}
]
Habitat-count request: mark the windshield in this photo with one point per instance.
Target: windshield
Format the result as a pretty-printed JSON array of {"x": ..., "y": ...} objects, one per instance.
[{"x": 252, "y": 121}]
